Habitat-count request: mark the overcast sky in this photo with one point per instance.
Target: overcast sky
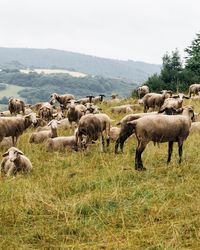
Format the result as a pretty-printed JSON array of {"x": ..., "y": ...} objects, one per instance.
[{"x": 141, "y": 30}]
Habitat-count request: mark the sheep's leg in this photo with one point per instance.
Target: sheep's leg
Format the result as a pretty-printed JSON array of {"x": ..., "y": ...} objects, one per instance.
[
  {"x": 121, "y": 140},
  {"x": 102, "y": 143},
  {"x": 138, "y": 160},
  {"x": 180, "y": 151},
  {"x": 11, "y": 170},
  {"x": 170, "y": 149}
]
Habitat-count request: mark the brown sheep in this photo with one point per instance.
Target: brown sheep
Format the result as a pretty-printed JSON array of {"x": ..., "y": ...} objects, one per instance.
[
  {"x": 142, "y": 91},
  {"x": 15, "y": 106},
  {"x": 162, "y": 128},
  {"x": 194, "y": 89}
]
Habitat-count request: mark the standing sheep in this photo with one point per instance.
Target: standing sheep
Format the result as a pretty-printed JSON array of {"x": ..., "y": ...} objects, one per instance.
[
  {"x": 62, "y": 99},
  {"x": 162, "y": 128},
  {"x": 15, "y": 106},
  {"x": 15, "y": 161},
  {"x": 194, "y": 89}
]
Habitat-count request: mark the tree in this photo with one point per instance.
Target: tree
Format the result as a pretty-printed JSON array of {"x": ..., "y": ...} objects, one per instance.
[{"x": 193, "y": 57}]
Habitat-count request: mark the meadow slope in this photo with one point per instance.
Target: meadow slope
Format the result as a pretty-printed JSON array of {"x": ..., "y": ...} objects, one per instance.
[{"x": 93, "y": 200}]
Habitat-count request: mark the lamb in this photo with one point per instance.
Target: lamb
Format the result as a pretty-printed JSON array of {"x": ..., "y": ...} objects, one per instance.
[
  {"x": 194, "y": 89},
  {"x": 61, "y": 142},
  {"x": 15, "y": 106},
  {"x": 46, "y": 111},
  {"x": 14, "y": 162},
  {"x": 41, "y": 136},
  {"x": 62, "y": 99},
  {"x": 142, "y": 91},
  {"x": 153, "y": 100},
  {"x": 91, "y": 127},
  {"x": 126, "y": 129},
  {"x": 15, "y": 126},
  {"x": 162, "y": 128}
]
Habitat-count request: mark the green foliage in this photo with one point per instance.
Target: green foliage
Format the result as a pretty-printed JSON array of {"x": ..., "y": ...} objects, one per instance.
[
  {"x": 38, "y": 87},
  {"x": 193, "y": 57}
]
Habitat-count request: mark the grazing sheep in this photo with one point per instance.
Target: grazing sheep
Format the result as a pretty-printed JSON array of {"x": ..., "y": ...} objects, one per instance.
[
  {"x": 142, "y": 91},
  {"x": 46, "y": 111},
  {"x": 114, "y": 133},
  {"x": 41, "y": 136},
  {"x": 62, "y": 99},
  {"x": 15, "y": 126},
  {"x": 15, "y": 106},
  {"x": 171, "y": 104},
  {"x": 91, "y": 127},
  {"x": 15, "y": 161},
  {"x": 153, "y": 100},
  {"x": 60, "y": 143},
  {"x": 194, "y": 89},
  {"x": 162, "y": 128}
]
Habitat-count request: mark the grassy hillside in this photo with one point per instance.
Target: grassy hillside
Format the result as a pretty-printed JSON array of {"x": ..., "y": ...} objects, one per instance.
[
  {"x": 93, "y": 200},
  {"x": 51, "y": 58}
]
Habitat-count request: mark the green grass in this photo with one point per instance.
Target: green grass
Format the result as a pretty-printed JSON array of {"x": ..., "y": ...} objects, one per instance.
[{"x": 93, "y": 200}]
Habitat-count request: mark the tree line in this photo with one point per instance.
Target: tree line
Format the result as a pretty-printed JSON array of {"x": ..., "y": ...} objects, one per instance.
[{"x": 176, "y": 75}]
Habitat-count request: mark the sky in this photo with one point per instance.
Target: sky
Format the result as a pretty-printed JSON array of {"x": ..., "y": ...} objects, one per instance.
[{"x": 139, "y": 30}]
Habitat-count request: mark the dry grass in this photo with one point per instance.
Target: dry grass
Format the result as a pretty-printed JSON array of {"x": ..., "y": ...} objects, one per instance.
[{"x": 93, "y": 200}]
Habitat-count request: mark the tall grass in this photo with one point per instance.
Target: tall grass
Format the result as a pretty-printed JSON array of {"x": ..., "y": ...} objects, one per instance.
[{"x": 93, "y": 200}]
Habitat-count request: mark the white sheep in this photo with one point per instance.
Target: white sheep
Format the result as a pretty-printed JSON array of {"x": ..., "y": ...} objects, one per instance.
[
  {"x": 15, "y": 161},
  {"x": 60, "y": 143}
]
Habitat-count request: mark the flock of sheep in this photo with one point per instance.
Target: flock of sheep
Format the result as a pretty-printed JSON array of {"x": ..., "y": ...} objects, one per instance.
[{"x": 171, "y": 122}]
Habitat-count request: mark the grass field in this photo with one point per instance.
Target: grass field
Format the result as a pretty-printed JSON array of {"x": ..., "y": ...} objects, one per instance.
[
  {"x": 93, "y": 200},
  {"x": 11, "y": 90}
]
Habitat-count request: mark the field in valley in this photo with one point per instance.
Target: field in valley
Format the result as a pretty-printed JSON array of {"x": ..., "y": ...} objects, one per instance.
[{"x": 93, "y": 200}]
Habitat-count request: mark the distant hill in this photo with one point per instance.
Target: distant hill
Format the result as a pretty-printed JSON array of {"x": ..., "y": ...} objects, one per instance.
[{"x": 50, "y": 58}]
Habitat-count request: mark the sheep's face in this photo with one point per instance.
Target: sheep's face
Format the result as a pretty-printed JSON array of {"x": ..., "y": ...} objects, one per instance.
[
  {"x": 53, "y": 98},
  {"x": 32, "y": 117},
  {"x": 13, "y": 154},
  {"x": 54, "y": 124}
]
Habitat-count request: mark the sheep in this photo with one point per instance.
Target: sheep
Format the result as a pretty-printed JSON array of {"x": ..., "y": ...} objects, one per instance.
[
  {"x": 63, "y": 124},
  {"x": 15, "y": 126},
  {"x": 171, "y": 104},
  {"x": 98, "y": 99},
  {"x": 114, "y": 133},
  {"x": 40, "y": 122},
  {"x": 153, "y": 100},
  {"x": 91, "y": 127},
  {"x": 62, "y": 99},
  {"x": 92, "y": 109},
  {"x": 41, "y": 136},
  {"x": 126, "y": 129},
  {"x": 15, "y": 161},
  {"x": 142, "y": 91},
  {"x": 121, "y": 109},
  {"x": 75, "y": 112},
  {"x": 162, "y": 128},
  {"x": 194, "y": 89},
  {"x": 61, "y": 142},
  {"x": 195, "y": 128},
  {"x": 46, "y": 111},
  {"x": 15, "y": 106}
]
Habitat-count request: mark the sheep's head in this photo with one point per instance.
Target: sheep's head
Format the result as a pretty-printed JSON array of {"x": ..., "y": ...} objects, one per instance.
[
  {"x": 53, "y": 124},
  {"x": 53, "y": 98},
  {"x": 13, "y": 153},
  {"x": 32, "y": 117},
  {"x": 189, "y": 111}
]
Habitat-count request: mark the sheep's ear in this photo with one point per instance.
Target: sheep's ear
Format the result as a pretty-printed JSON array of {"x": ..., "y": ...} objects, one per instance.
[
  {"x": 27, "y": 116},
  {"x": 19, "y": 152},
  {"x": 175, "y": 96},
  {"x": 54, "y": 115},
  {"x": 49, "y": 123},
  {"x": 58, "y": 122},
  {"x": 186, "y": 97},
  {"x": 5, "y": 154}
]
